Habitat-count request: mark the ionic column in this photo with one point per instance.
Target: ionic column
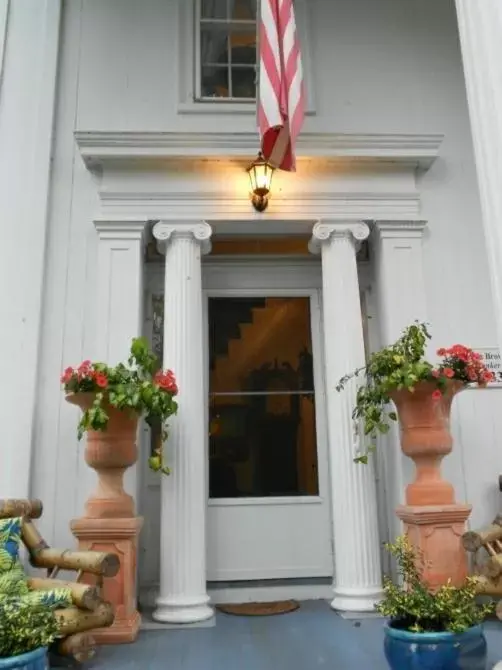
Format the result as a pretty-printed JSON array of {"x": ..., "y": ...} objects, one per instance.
[
  {"x": 357, "y": 578},
  {"x": 480, "y": 30},
  {"x": 183, "y": 596}
]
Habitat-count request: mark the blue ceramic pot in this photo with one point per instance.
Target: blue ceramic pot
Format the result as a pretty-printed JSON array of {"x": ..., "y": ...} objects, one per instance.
[
  {"x": 435, "y": 651},
  {"x": 33, "y": 660}
]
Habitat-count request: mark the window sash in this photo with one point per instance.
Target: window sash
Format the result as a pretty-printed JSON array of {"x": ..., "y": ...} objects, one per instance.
[{"x": 227, "y": 24}]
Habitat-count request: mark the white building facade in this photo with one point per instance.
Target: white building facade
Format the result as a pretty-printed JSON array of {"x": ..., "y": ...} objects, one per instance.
[{"x": 125, "y": 131}]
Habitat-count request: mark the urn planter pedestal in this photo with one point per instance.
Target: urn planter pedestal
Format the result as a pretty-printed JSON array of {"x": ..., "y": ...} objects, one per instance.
[
  {"x": 433, "y": 520},
  {"x": 109, "y": 522}
]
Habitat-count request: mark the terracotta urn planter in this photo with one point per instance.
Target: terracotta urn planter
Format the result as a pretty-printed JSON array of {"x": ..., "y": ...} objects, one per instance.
[
  {"x": 109, "y": 453},
  {"x": 426, "y": 439}
]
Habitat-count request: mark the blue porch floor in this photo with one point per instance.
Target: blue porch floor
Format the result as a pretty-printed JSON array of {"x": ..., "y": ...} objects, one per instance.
[{"x": 312, "y": 637}]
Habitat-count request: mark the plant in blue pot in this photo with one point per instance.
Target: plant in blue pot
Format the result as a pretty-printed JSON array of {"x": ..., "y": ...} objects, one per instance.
[
  {"x": 431, "y": 630},
  {"x": 26, "y": 631}
]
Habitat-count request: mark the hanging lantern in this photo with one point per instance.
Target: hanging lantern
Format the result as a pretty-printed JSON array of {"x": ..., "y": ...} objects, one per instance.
[{"x": 260, "y": 176}]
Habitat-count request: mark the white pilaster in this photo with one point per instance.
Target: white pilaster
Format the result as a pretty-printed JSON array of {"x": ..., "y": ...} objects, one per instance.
[
  {"x": 357, "y": 579},
  {"x": 119, "y": 307},
  {"x": 183, "y": 596},
  {"x": 480, "y": 30},
  {"x": 29, "y": 50},
  {"x": 401, "y": 299},
  {"x": 119, "y": 300}
]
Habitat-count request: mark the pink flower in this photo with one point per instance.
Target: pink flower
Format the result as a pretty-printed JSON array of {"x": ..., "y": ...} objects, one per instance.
[
  {"x": 67, "y": 375},
  {"x": 436, "y": 395}
]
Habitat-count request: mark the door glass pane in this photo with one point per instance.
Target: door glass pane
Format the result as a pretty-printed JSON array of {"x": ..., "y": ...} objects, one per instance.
[{"x": 262, "y": 435}]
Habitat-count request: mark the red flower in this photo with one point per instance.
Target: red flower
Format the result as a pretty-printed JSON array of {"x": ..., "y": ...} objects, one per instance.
[
  {"x": 441, "y": 351},
  {"x": 488, "y": 376},
  {"x": 166, "y": 381},
  {"x": 448, "y": 372},
  {"x": 101, "y": 380},
  {"x": 435, "y": 373},
  {"x": 436, "y": 395}
]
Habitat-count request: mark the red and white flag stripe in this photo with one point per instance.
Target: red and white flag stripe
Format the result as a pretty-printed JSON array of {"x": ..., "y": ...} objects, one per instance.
[{"x": 281, "y": 99}]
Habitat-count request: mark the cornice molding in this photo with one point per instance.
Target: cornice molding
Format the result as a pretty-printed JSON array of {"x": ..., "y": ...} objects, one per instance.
[{"x": 98, "y": 147}]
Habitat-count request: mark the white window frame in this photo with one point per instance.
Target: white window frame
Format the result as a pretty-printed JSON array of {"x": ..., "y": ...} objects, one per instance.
[{"x": 189, "y": 65}]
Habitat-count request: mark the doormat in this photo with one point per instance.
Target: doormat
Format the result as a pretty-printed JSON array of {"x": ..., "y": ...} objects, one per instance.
[{"x": 260, "y": 609}]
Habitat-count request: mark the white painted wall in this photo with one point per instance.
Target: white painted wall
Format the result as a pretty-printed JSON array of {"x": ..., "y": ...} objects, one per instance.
[
  {"x": 378, "y": 66},
  {"x": 29, "y": 39}
]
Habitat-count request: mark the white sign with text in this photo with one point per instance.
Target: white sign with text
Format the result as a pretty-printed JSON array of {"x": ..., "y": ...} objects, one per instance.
[{"x": 492, "y": 360}]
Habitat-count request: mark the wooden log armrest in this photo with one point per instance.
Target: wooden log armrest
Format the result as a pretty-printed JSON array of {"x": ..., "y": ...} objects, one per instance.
[
  {"x": 73, "y": 620},
  {"x": 11, "y": 507},
  {"x": 474, "y": 540},
  {"x": 95, "y": 562},
  {"x": 84, "y": 596}
]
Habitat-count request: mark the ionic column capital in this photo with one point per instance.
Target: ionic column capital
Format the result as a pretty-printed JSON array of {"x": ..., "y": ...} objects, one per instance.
[
  {"x": 324, "y": 231},
  {"x": 200, "y": 231}
]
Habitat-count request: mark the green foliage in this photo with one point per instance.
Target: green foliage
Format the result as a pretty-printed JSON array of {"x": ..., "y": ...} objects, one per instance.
[
  {"x": 415, "y": 608},
  {"x": 398, "y": 366},
  {"x": 139, "y": 387},
  {"x": 402, "y": 365},
  {"x": 24, "y": 628}
]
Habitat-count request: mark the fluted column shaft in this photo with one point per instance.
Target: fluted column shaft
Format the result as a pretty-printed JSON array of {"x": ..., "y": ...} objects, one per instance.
[
  {"x": 183, "y": 596},
  {"x": 357, "y": 578}
]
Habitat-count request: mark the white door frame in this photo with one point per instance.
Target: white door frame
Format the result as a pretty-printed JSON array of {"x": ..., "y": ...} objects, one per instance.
[{"x": 296, "y": 283}]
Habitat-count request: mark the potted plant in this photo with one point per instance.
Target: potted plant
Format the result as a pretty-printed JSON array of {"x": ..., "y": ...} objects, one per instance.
[
  {"x": 25, "y": 634},
  {"x": 422, "y": 393},
  {"x": 112, "y": 400},
  {"x": 438, "y": 629}
]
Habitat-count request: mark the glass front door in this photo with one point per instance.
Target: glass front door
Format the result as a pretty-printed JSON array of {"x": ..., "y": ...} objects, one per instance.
[{"x": 268, "y": 514}]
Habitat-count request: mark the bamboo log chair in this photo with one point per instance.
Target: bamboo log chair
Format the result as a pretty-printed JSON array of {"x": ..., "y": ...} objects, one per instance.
[
  {"x": 89, "y": 610},
  {"x": 485, "y": 546}
]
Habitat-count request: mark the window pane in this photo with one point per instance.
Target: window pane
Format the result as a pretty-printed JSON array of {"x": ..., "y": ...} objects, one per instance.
[
  {"x": 243, "y": 10},
  {"x": 213, "y": 46},
  {"x": 260, "y": 345},
  {"x": 243, "y": 82},
  {"x": 262, "y": 445},
  {"x": 213, "y": 9},
  {"x": 261, "y": 398},
  {"x": 214, "y": 82},
  {"x": 243, "y": 47}
]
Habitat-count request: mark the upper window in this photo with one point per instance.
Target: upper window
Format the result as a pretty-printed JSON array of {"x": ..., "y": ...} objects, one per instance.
[{"x": 226, "y": 56}]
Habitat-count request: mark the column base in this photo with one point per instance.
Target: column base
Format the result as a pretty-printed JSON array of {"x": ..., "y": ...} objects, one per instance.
[
  {"x": 118, "y": 536},
  {"x": 356, "y": 600},
  {"x": 435, "y": 531},
  {"x": 182, "y": 610}
]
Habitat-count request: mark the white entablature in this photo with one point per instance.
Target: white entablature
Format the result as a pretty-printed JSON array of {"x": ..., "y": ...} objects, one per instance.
[{"x": 172, "y": 175}]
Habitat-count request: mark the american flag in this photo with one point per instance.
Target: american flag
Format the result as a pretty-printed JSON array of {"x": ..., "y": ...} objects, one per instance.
[{"x": 281, "y": 98}]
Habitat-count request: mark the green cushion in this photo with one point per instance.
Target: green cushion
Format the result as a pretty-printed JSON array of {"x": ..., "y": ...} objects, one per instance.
[
  {"x": 13, "y": 582},
  {"x": 10, "y": 538}
]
